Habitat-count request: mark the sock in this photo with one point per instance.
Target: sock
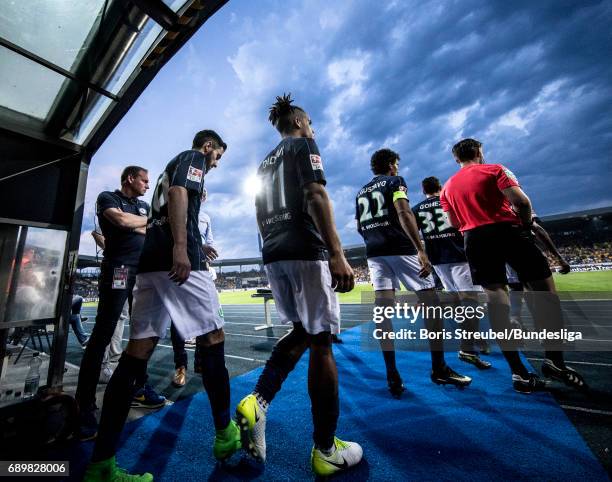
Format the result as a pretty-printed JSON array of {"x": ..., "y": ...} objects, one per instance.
[
  {"x": 285, "y": 355},
  {"x": 436, "y": 346},
  {"x": 386, "y": 344},
  {"x": 471, "y": 325},
  {"x": 499, "y": 317},
  {"x": 117, "y": 401},
  {"x": 216, "y": 382},
  {"x": 323, "y": 390},
  {"x": 389, "y": 357}
]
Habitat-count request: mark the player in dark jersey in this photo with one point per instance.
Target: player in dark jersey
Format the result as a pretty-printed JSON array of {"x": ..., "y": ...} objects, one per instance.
[
  {"x": 444, "y": 247},
  {"x": 304, "y": 262},
  {"x": 395, "y": 255},
  {"x": 173, "y": 283},
  {"x": 486, "y": 203}
]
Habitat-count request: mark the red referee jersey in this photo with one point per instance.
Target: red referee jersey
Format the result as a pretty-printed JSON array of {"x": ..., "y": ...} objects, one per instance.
[{"x": 474, "y": 195}]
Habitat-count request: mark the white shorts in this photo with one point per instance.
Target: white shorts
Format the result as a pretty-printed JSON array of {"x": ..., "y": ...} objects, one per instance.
[
  {"x": 387, "y": 272},
  {"x": 193, "y": 307},
  {"x": 303, "y": 293},
  {"x": 456, "y": 277}
]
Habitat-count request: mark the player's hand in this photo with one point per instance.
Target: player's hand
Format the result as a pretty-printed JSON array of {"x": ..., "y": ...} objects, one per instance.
[
  {"x": 210, "y": 252},
  {"x": 181, "y": 267},
  {"x": 342, "y": 273},
  {"x": 565, "y": 267},
  {"x": 426, "y": 267}
]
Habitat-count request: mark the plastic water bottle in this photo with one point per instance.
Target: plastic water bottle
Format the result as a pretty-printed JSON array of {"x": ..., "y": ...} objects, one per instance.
[{"x": 33, "y": 377}]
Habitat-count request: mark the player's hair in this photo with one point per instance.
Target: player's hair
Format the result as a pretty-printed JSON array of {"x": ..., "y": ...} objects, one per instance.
[
  {"x": 431, "y": 185},
  {"x": 131, "y": 171},
  {"x": 466, "y": 149},
  {"x": 206, "y": 135},
  {"x": 381, "y": 160},
  {"x": 283, "y": 114}
]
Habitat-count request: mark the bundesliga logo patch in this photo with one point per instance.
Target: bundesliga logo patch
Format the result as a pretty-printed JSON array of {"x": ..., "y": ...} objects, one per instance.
[
  {"x": 402, "y": 188},
  {"x": 142, "y": 211},
  {"x": 315, "y": 162},
  {"x": 194, "y": 174}
]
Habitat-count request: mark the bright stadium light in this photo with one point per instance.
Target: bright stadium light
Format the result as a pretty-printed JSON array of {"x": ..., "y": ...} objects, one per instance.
[{"x": 252, "y": 185}]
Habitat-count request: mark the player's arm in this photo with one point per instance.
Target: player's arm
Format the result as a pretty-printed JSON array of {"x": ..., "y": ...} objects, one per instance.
[
  {"x": 124, "y": 220},
  {"x": 520, "y": 202},
  {"x": 320, "y": 209},
  {"x": 177, "y": 218},
  {"x": 99, "y": 239},
  {"x": 409, "y": 225},
  {"x": 452, "y": 219},
  {"x": 549, "y": 245}
]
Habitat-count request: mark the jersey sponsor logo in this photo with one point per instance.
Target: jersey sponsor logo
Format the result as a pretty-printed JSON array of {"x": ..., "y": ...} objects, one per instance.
[
  {"x": 194, "y": 174},
  {"x": 510, "y": 174},
  {"x": 315, "y": 162}
]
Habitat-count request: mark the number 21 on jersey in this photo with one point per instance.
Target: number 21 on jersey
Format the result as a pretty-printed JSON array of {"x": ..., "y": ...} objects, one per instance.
[{"x": 372, "y": 206}]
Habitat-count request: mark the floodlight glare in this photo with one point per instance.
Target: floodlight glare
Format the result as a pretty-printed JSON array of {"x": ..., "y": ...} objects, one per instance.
[{"x": 252, "y": 185}]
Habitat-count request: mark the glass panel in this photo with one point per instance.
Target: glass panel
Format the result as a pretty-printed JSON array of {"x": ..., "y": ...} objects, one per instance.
[
  {"x": 141, "y": 45},
  {"x": 39, "y": 275},
  {"x": 26, "y": 86},
  {"x": 56, "y": 30},
  {"x": 101, "y": 105},
  {"x": 175, "y": 4}
]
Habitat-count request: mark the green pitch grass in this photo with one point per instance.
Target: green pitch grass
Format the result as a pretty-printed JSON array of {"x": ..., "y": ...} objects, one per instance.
[{"x": 587, "y": 281}]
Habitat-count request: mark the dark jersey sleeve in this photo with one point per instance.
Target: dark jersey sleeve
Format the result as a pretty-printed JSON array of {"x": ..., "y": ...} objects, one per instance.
[
  {"x": 188, "y": 171},
  {"x": 106, "y": 201},
  {"x": 398, "y": 188},
  {"x": 308, "y": 162}
]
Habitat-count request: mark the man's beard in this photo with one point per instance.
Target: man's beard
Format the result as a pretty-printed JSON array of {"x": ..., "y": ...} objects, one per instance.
[{"x": 208, "y": 161}]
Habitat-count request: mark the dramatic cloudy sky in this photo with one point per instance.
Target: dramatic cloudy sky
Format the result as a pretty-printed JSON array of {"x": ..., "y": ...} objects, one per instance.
[{"x": 532, "y": 80}]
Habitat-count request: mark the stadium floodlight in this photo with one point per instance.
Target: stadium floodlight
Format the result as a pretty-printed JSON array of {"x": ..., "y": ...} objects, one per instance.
[{"x": 252, "y": 185}]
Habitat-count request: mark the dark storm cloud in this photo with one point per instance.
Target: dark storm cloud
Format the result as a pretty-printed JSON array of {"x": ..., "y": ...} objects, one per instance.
[
  {"x": 529, "y": 79},
  {"x": 547, "y": 62}
]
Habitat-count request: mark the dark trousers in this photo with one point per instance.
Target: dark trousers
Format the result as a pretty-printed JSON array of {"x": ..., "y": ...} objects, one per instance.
[
  {"x": 77, "y": 326},
  {"x": 178, "y": 346},
  {"x": 110, "y": 305}
]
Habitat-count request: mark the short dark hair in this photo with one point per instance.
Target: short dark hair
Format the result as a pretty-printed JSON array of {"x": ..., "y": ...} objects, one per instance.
[
  {"x": 206, "y": 135},
  {"x": 131, "y": 171},
  {"x": 431, "y": 185},
  {"x": 283, "y": 114},
  {"x": 381, "y": 160},
  {"x": 466, "y": 149}
]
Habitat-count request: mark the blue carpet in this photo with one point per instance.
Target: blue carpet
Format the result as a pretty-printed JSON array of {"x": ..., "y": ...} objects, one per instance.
[{"x": 486, "y": 431}]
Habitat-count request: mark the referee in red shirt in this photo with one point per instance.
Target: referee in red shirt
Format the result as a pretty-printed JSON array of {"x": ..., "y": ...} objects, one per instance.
[{"x": 486, "y": 203}]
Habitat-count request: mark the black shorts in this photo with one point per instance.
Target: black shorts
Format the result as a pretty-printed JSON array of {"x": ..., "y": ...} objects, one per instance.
[{"x": 488, "y": 248}]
